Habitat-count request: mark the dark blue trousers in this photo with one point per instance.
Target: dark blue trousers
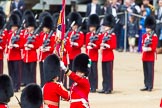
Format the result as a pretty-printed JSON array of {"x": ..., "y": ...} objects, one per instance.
[
  {"x": 15, "y": 70},
  {"x": 93, "y": 76},
  {"x": 29, "y": 72},
  {"x": 107, "y": 75},
  {"x": 148, "y": 69}
]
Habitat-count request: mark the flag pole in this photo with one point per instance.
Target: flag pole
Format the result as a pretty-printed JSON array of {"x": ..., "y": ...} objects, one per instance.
[{"x": 62, "y": 28}]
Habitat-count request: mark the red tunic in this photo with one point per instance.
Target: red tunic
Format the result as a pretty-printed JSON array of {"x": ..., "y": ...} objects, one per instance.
[
  {"x": 93, "y": 53},
  {"x": 80, "y": 89},
  {"x": 3, "y": 43},
  {"x": 52, "y": 92},
  {"x": 14, "y": 53},
  {"x": 74, "y": 50},
  {"x": 161, "y": 104},
  {"x": 30, "y": 55},
  {"x": 108, "y": 54},
  {"x": 3, "y": 106},
  {"x": 150, "y": 55},
  {"x": 43, "y": 36}
]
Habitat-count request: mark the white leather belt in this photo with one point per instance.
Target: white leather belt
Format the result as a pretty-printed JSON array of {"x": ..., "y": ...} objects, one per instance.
[{"x": 84, "y": 102}]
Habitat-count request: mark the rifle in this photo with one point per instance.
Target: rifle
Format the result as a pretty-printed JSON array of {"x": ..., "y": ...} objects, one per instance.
[
  {"x": 30, "y": 39},
  {"x": 149, "y": 40},
  {"x": 95, "y": 37},
  {"x": 66, "y": 35},
  {"x": 17, "y": 36},
  {"x": 47, "y": 41},
  {"x": 76, "y": 36},
  {"x": 107, "y": 37},
  {"x": 1, "y": 32},
  {"x": 72, "y": 24}
]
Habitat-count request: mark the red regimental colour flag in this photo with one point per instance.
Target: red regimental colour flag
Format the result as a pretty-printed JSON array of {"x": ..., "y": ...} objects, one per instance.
[{"x": 60, "y": 32}]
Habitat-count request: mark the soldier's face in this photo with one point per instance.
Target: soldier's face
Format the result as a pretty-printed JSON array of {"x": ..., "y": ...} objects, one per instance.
[
  {"x": 80, "y": 74},
  {"x": 148, "y": 30},
  {"x": 92, "y": 28},
  {"x": 46, "y": 30},
  {"x": 14, "y": 28},
  {"x": 30, "y": 29},
  {"x": 106, "y": 28},
  {"x": 75, "y": 27}
]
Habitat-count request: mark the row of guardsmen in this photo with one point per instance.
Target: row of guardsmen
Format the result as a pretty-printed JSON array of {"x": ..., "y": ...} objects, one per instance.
[
  {"x": 24, "y": 38},
  {"x": 25, "y": 43}
]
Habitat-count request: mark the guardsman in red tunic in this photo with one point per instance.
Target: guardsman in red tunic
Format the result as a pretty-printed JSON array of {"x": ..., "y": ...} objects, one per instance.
[
  {"x": 81, "y": 87},
  {"x": 3, "y": 34},
  {"x": 75, "y": 39},
  {"x": 26, "y": 13},
  {"x": 92, "y": 46},
  {"x": 47, "y": 41},
  {"x": 108, "y": 44},
  {"x": 6, "y": 90},
  {"x": 149, "y": 44},
  {"x": 31, "y": 44},
  {"x": 14, "y": 46},
  {"x": 31, "y": 96},
  {"x": 52, "y": 89}
]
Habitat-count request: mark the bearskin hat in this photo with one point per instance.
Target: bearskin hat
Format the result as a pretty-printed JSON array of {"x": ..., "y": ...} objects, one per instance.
[
  {"x": 48, "y": 22},
  {"x": 6, "y": 88},
  {"x": 150, "y": 22},
  {"x": 17, "y": 12},
  {"x": 109, "y": 20},
  {"x": 80, "y": 63},
  {"x": 75, "y": 16},
  {"x": 27, "y": 13},
  {"x": 15, "y": 20},
  {"x": 55, "y": 17},
  {"x": 30, "y": 21},
  {"x": 31, "y": 96},
  {"x": 42, "y": 15},
  {"x": 2, "y": 21},
  {"x": 51, "y": 67},
  {"x": 93, "y": 20}
]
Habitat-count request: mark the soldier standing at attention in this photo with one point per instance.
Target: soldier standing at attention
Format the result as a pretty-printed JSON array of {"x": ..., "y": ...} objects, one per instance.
[
  {"x": 75, "y": 39},
  {"x": 92, "y": 47},
  {"x": 46, "y": 48},
  {"x": 14, "y": 46},
  {"x": 29, "y": 50},
  {"x": 108, "y": 44},
  {"x": 149, "y": 44}
]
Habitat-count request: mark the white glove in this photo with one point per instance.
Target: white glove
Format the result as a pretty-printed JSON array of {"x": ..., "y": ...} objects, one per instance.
[
  {"x": 94, "y": 45},
  {"x": 74, "y": 43},
  {"x": 26, "y": 48},
  {"x": 63, "y": 67},
  {"x": 146, "y": 49},
  {"x": 30, "y": 45},
  {"x": 15, "y": 45},
  {"x": 0, "y": 47},
  {"x": 106, "y": 45},
  {"x": 89, "y": 47}
]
